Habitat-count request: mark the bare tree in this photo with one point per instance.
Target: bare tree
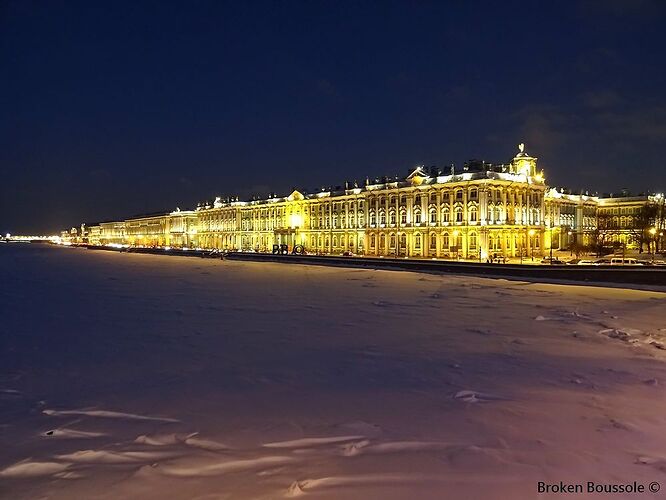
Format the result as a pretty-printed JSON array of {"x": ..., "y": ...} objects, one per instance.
[
  {"x": 602, "y": 231},
  {"x": 641, "y": 223}
]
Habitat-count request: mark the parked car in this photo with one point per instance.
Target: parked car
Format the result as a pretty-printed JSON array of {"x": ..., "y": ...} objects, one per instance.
[
  {"x": 496, "y": 258},
  {"x": 552, "y": 261},
  {"x": 618, "y": 261},
  {"x": 582, "y": 262}
]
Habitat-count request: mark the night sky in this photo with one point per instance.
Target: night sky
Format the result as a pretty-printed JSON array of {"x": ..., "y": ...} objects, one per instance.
[{"x": 110, "y": 109}]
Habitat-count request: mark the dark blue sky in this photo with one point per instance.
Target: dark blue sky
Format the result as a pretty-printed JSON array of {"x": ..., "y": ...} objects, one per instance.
[{"x": 108, "y": 109}]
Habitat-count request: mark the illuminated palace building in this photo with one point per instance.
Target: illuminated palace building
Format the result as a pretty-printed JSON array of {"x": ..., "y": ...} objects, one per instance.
[{"x": 479, "y": 210}]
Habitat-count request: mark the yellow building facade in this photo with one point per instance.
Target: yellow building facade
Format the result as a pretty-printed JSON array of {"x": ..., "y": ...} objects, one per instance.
[
  {"x": 474, "y": 213},
  {"x": 467, "y": 214}
]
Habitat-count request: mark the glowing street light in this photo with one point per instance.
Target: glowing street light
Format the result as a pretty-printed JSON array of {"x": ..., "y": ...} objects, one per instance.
[
  {"x": 530, "y": 233},
  {"x": 652, "y": 244},
  {"x": 455, "y": 238}
]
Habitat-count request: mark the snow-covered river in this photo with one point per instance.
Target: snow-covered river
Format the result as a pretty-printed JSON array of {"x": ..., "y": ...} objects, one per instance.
[{"x": 147, "y": 377}]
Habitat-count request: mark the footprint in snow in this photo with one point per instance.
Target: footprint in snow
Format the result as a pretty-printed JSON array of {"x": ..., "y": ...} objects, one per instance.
[{"x": 477, "y": 397}]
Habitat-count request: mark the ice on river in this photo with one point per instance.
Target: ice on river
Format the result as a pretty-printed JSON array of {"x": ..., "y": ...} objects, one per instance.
[{"x": 148, "y": 377}]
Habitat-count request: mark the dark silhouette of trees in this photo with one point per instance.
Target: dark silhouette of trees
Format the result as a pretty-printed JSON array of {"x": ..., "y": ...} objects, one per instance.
[
  {"x": 644, "y": 220},
  {"x": 602, "y": 232}
]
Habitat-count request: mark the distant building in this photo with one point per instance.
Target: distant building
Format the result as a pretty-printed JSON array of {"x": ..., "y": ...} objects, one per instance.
[{"x": 472, "y": 213}]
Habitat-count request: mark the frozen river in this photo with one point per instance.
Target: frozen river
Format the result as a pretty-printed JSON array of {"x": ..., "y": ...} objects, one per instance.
[{"x": 147, "y": 377}]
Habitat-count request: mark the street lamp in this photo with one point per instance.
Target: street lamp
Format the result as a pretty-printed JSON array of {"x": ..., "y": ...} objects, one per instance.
[
  {"x": 529, "y": 243},
  {"x": 653, "y": 232}
]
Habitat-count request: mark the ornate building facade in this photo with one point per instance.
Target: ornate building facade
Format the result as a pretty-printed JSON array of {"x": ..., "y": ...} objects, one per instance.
[{"x": 481, "y": 210}]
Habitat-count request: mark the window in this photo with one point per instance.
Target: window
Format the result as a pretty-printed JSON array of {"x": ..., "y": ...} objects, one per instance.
[
  {"x": 473, "y": 214},
  {"x": 392, "y": 217},
  {"x": 417, "y": 241},
  {"x": 417, "y": 216},
  {"x": 472, "y": 241},
  {"x": 433, "y": 216},
  {"x": 459, "y": 194},
  {"x": 445, "y": 215},
  {"x": 433, "y": 241},
  {"x": 445, "y": 241},
  {"x": 373, "y": 241},
  {"x": 382, "y": 218},
  {"x": 382, "y": 241},
  {"x": 403, "y": 241},
  {"x": 459, "y": 215},
  {"x": 392, "y": 241},
  {"x": 474, "y": 194},
  {"x": 403, "y": 217}
]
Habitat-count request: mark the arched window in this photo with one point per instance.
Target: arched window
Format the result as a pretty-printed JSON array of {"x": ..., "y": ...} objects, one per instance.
[
  {"x": 382, "y": 218},
  {"x": 445, "y": 215},
  {"x": 473, "y": 193},
  {"x": 445, "y": 241},
  {"x": 417, "y": 241},
  {"x": 417, "y": 215},
  {"x": 459, "y": 194},
  {"x": 382, "y": 241},
  {"x": 472, "y": 241},
  {"x": 403, "y": 240},
  {"x": 473, "y": 214},
  {"x": 373, "y": 241},
  {"x": 373, "y": 219},
  {"x": 403, "y": 216},
  {"x": 433, "y": 216},
  {"x": 392, "y": 217},
  {"x": 459, "y": 215},
  {"x": 433, "y": 241},
  {"x": 392, "y": 241}
]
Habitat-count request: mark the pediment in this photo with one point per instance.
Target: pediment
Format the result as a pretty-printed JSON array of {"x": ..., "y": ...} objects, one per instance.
[
  {"x": 296, "y": 196},
  {"x": 417, "y": 176}
]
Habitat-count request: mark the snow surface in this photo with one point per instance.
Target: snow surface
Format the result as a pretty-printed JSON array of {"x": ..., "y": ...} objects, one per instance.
[{"x": 147, "y": 377}]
